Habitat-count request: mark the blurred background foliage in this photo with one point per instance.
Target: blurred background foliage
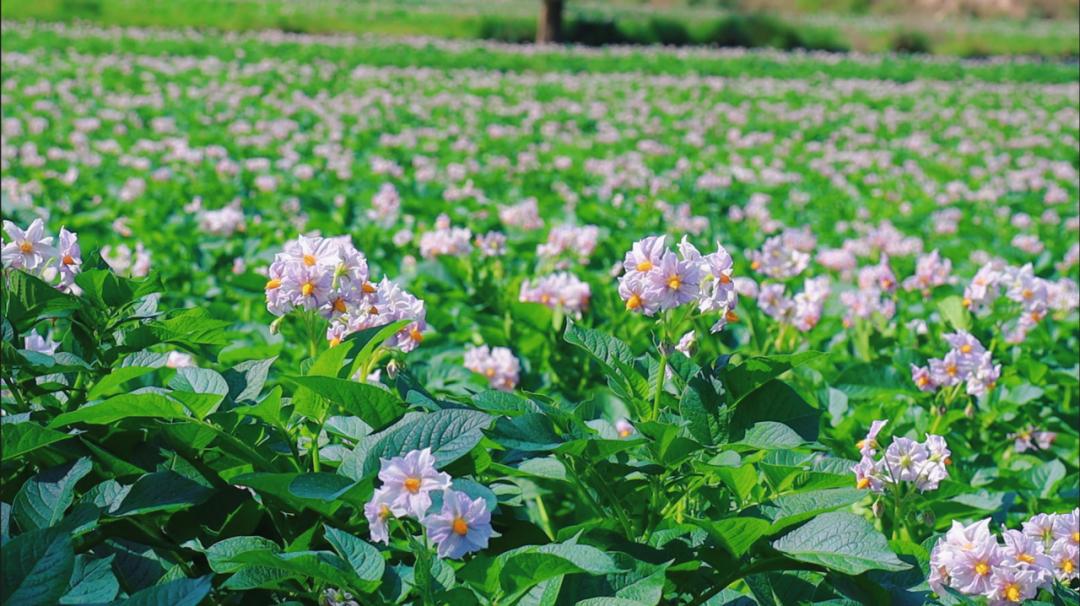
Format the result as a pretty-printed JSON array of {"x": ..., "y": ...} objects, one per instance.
[{"x": 966, "y": 28}]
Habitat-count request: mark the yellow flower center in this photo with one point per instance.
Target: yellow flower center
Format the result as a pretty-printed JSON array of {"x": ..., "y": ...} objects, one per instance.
[
  {"x": 862, "y": 483},
  {"x": 339, "y": 305},
  {"x": 460, "y": 526},
  {"x": 1028, "y": 293},
  {"x": 1026, "y": 558},
  {"x": 309, "y": 260},
  {"x": 674, "y": 282},
  {"x": 624, "y": 433},
  {"x": 545, "y": 298},
  {"x": 645, "y": 265},
  {"x": 367, "y": 288},
  {"x": 384, "y": 511},
  {"x": 965, "y": 348},
  {"x": 755, "y": 265},
  {"x": 1076, "y": 537},
  {"x": 1012, "y": 592},
  {"x": 272, "y": 284},
  {"x": 68, "y": 260},
  {"x": 412, "y": 484},
  {"x": 373, "y": 310},
  {"x": 731, "y": 316},
  {"x": 1066, "y": 566},
  {"x": 307, "y": 289},
  {"x": 905, "y": 461},
  {"x": 26, "y": 247},
  {"x": 966, "y": 302},
  {"x": 922, "y": 381},
  {"x": 335, "y": 341},
  {"x": 416, "y": 335},
  {"x": 633, "y": 302},
  {"x": 982, "y": 569},
  {"x": 490, "y": 372},
  {"x": 951, "y": 370},
  {"x": 725, "y": 279}
]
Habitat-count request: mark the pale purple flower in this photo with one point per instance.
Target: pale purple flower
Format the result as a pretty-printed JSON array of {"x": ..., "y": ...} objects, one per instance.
[
  {"x": 904, "y": 459},
  {"x": 411, "y": 479},
  {"x": 378, "y": 512},
  {"x": 37, "y": 343},
  {"x": 497, "y": 364},
  {"x": 29, "y": 250},
  {"x": 623, "y": 428},
  {"x": 461, "y": 527},
  {"x": 972, "y": 570}
]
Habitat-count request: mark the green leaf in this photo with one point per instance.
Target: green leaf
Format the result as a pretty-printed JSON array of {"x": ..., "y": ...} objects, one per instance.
[
  {"x": 202, "y": 390},
  {"x": 1044, "y": 478},
  {"x": 952, "y": 310},
  {"x": 117, "y": 377},
  {"x": 162, "y": 491},
  {"x": 703, "y": 408},
  {"x": 92, "y": 582},
  {"x": 742, "y": 379},
  {"x": 17, "y": 439},
  {"x": 277, "y": 486},
  {"x": 43, "y": 499},
  {"x": 220, "y": 555},
  {"x": 790, "y": 509},
  {"x": 246, "y": 379},
  {"x": 525, "y": 567},
  {"x": 107, "y": 290},
  {"x": 840, "y": 541},
  {"x": 320, "y": 565},
  {"x": 776, "y": 401},
  {"x": 192, "y": 327},
  {"x": 770, "y": 435},
  {"x": 365, "y": 559},
  {"x": 178, "y": 592},
  {"x": 28, "y": 297},
  {"x": 320, "y": 486},
  {"x": 615, "y": 356},
  {"x": 449, "y": 433},
  {"x": 36, "y": 568},
  {"x": 268, "y": 409},
  {"x": 123, "y": 406},
  {"x": 736, "y": 535},
  {"x": 375, "y": 406}
]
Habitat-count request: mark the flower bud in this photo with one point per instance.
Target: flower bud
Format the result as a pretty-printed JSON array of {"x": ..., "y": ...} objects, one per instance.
[
  {"x": 969, "y": 411},
  {"x": 928, "y": 518},
  {"x": 392, "y": 369},
  {"x": 878, "y": 508}
]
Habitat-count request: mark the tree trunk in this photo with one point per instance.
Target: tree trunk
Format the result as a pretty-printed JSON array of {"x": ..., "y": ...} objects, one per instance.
[{"x": 549, "y": 29}]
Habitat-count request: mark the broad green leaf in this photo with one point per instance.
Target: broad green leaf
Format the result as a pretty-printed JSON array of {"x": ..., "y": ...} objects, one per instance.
[
  {"x": 108, "y": 290},
  {"x": 776, "y": 401},
  {"x": 29, "y": 297},
  {"x": 769, "y": 435},
  {"x": 112, "y": 382},
  {"x": 703, "y": 408},
  {"x": 220, "y": 554},
  {"x": 92, "y": 582},
  {"x": 522, "y": 568},
  {"x": 17, "y": 439},
  {"x": 200, "y": 389},
  {"x": 192, "y": 327},
  {"x": 277, "y": 485},
  {"x": 320, "y": 486},
  {"x": 123, "y": 406},
  {"x": 742, "y": 379},
  {"x": 375, "y": 406},
  {"x": 840, "y": 541},
  {"x": 162, "y": 491},
  {"x": 321, "y": 565},
  {"x": 43, "y": 499},
  {"x": 736, "y": 535},
  {"x": 268, "y": 409},
  {"x": 246, "y": 379},
  {"x": 366, "y": 561},
  {"x": 952, "y": 310},
  {"x": 449, "y": 433},
  {"x": 178, "y": 592},
  {"x": 36, "y": 568},
  {"x": 790, "y": 509}
]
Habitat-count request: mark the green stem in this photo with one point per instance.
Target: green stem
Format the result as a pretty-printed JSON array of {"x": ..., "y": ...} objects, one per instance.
[{"x": 659, "y": 384}]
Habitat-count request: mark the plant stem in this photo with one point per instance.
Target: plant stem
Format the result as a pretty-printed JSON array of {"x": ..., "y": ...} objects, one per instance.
[{"x": 659, "y": 384}]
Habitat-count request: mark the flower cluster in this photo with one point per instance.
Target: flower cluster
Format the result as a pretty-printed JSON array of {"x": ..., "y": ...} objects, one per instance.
[
  {"x": 656, "y": 279},
  {"x": 1034, "y": 295},
  {"x": 905, "y": 460},
  {"x": 971, "y": 561},
  {"x": 967, "y": 361},
  {"x": 803, "y": 310},
  {"x": 222, "y": 222},
  {"x": 498, "y": 364},
  {"x": 330, "y": 277},
  {"x": 560, "y": 290},
  {"x": 876, "y": 284},
  {"x": 462, "y": 526},
  {"x": 33, "y": 252},
  {"x": 779, "y": 259},
  {"x": 578, "y": 242},
  {"x": 445, "y": 240},
  {"x": 930, "y": 271},
  {"x": 385, "y": 206},
  {"x": 122, "y": 260}
]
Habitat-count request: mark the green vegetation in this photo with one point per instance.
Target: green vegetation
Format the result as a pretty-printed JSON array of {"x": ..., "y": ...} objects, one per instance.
[{"x": 586, "y": 23}]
